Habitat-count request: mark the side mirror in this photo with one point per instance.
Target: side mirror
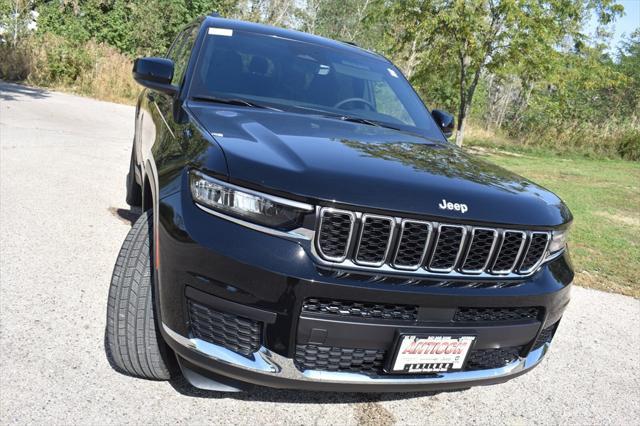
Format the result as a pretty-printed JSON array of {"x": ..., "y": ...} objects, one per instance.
[
  {"x": 155, "y": 73},
  {"x": 445, "y": 121}
]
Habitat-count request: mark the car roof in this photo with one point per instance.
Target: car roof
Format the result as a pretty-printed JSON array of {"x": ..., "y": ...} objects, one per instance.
[{"x": 213, "y": 21}]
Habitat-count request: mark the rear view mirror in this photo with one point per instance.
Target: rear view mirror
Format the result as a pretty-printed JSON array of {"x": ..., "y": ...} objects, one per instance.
[
  {"x": 445, "y": 121},
  {"x": 155, "y": 73}
]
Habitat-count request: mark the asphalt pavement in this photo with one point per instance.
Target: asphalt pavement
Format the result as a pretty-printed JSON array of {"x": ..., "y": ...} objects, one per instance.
[{"x": 63, "y": 162}]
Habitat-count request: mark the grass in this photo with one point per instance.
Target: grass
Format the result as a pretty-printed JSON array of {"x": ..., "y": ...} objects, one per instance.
[{"x": 604, "y": 197}]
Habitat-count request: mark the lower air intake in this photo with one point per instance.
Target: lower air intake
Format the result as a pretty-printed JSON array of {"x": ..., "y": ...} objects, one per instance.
[
  {"x": 485, "y": 359},
  {"x": 545, "y": 336},
  {"x": 327, "y": 358},
  {"x": 495, "y": 314},
  {"x": 236, "y": 333},
  {"x": 360, "y": 309},
  {"x": 371, "y": 361}
]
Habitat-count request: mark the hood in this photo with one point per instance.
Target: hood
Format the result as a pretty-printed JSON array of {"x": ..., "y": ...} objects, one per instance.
[{"x": 356, "y": 164}]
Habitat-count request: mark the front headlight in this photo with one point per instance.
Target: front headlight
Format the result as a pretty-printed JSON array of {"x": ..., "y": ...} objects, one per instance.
[
  {"x": 558, "y": 241},
  {"x": 263, "y": 209}
]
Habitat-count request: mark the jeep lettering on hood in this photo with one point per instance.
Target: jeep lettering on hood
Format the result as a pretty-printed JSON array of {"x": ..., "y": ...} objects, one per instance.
[{"x": 448, "y": 205}]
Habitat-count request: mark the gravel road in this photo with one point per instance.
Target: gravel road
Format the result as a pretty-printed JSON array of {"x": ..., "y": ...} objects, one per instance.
[{"x": 63, "y": 162}]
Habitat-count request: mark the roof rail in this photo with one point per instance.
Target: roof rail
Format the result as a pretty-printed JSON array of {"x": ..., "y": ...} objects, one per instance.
[{"x": 352, "y": 43}]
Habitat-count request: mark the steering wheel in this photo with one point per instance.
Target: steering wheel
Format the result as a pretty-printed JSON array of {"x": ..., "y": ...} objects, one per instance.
[{"x": 349, "y": 100}]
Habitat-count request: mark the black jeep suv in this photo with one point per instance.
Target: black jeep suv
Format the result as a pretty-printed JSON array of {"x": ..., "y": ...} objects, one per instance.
[{"x": 307, "y": 225}]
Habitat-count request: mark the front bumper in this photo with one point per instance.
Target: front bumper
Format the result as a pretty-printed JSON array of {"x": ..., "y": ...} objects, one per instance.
[
  {"x": 266, "y": 279},
  {"x": 267, "y": 368}
]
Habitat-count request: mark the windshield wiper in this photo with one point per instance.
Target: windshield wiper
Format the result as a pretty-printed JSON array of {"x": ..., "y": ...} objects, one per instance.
[
  {"x": 233, "y": 101},
  {"x": 361, "y": 120},
  {"x": 349, "y": 118}
]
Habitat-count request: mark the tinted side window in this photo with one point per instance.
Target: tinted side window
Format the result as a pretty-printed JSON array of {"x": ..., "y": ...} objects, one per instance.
[
  {"x": 180, "y": 52},
  {"x": 176, "y": 45}
]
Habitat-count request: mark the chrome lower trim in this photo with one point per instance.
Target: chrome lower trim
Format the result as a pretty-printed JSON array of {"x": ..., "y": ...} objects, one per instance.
[
  {"x": 259, "y": 361},
  {"x": 266, "y": 362}
]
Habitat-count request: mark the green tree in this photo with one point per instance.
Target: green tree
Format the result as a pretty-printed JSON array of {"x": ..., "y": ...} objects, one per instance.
[
  {"x": 470, "y": 37},
  {"x": 629, "y": 65},
  {"x": 132, "y": 26},
  {"x": 15, "y": 19}
]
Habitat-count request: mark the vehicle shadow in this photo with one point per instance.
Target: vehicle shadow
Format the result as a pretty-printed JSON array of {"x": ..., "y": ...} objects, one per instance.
[
  {"x": 264, "y": 394},
  {"x": 128, "y": 217},
  {"x": 11, "y": 91}
]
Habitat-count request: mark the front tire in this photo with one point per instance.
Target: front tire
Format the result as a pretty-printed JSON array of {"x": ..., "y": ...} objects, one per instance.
[{"x": 132, "y": 335}]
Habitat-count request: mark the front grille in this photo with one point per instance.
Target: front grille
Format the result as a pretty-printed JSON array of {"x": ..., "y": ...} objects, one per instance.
[
  {"x": 371, "y": 361},
  {"x": 375, "y": 236},
  {"x": 328, "y": 358},
  {"x": 495, "y": 314},
  {"x": 447, "y": 248},
  {"x": 535, "y": 251},
  {"x": 512, "y": 244},
  {"x": 362, "y": 310},
  {"x": 335, "y": 233},
  {"x": 236, "y": 333},
  {"x": 365, "y": 241},
  {"x": 481, "y": 245},
  {"x": 412, "y": 245},
  {"x": 484, "y": 359}
]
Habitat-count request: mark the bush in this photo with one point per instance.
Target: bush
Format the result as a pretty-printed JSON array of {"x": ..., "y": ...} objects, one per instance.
[
  {"x": 16, "y": 61},
  {"x": 629, "y": 146},
  {"x": 57, "y": 61},
  {"x": 109, "y": 76},
  {"x": 91, "y": 69}
]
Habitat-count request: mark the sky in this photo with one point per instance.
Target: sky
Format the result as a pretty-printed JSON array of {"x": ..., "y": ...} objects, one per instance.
[{"x": 625, "y": 25}]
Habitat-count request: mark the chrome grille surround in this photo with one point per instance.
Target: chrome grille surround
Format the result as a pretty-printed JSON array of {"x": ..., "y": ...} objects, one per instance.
[
  {"x": 530, "y": 247},
  {"x": 323, "y": 214},
  {"x": 516, "y": 248}
]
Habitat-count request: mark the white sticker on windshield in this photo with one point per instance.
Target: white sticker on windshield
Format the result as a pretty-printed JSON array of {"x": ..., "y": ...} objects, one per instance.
[
  {"x": 392, "y": 73},
  {"x": 220, "y": 31}
]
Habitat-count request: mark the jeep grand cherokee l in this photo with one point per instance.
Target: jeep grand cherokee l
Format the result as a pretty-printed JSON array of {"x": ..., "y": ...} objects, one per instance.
[{"x": 307, "y": 225}]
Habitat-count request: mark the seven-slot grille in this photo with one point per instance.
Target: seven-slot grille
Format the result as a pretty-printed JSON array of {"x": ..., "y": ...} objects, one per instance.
[{"x": 365, "y": 240}]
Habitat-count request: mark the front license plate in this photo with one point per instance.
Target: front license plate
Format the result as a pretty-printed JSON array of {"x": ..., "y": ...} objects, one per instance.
[{"x": 431, "y": 354}]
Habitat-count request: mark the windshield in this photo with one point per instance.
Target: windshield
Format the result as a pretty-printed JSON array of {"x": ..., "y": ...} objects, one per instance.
[{"x": 307, "y": 78}]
